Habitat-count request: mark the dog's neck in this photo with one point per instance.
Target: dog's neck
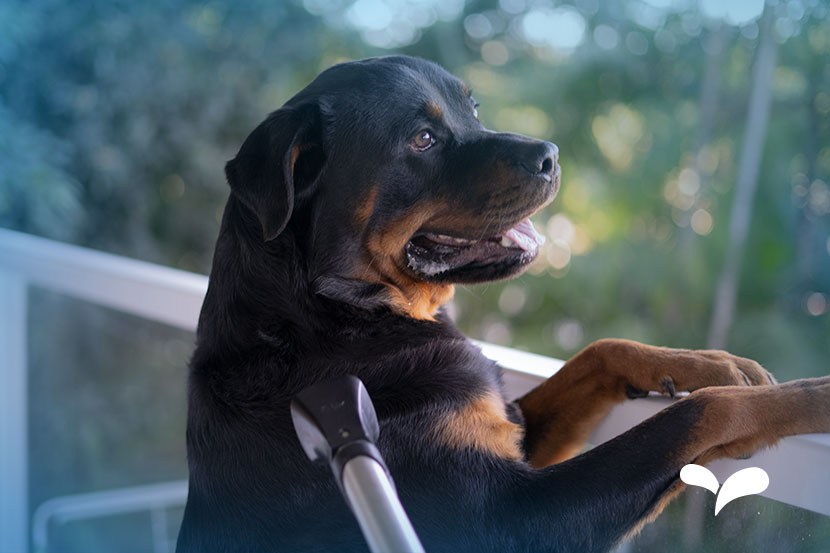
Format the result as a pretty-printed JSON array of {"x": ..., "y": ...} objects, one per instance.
[
  {"x": 413, "y": 301},
  {"x": 260, "y": 291},
  {"x": 419, "y": 301}
]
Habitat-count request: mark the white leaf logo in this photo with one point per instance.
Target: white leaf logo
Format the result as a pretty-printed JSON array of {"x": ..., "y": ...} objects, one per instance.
[
  {"x": 748, "y": 481},
  {"x": 695, "y": 475}
]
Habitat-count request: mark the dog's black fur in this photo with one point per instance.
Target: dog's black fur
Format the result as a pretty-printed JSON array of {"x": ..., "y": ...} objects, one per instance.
[{"x": 297, "y": 296}]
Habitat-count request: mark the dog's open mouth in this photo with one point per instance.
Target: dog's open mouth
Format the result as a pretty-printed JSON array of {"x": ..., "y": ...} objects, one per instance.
[{"x": 435, "y": 256}]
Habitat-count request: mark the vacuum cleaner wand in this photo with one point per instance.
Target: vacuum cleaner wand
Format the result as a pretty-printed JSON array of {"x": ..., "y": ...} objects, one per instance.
[{"x": 336, "y": 423}]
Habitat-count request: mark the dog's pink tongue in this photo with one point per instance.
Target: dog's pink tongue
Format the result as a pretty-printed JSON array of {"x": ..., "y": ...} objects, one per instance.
[{"x": 525, "y": 236}]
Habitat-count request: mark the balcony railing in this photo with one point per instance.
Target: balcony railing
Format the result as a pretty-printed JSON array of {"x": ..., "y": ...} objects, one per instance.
[{"x": 797, "y": 466}]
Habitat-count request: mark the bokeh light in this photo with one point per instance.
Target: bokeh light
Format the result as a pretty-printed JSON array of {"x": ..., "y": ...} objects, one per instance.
[
  {"x": 736, "y": 12},
  {"x": 561, "y": 29},
  {"x": 816, "y": 304}
]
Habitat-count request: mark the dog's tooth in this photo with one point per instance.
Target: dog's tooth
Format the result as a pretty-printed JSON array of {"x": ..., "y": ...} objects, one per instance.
[
  {"x": 447, "y": 239},
  {"x": 507, "y": 242}
]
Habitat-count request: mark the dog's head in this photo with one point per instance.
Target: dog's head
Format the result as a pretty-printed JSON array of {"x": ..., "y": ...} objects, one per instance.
[{"x": 388, "y": 185}]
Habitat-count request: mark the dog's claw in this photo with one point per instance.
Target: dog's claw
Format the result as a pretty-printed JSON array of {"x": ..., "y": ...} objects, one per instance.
[{"x": 668, "y": 386}]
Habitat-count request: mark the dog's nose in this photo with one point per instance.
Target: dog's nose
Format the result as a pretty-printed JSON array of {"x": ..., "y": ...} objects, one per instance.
[
  {"x": 540, "y": 159},
  {"x": 546, "y": 161}
]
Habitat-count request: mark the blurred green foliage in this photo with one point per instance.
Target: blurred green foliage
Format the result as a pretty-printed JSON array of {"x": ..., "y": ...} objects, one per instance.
[{"x": 116, "y": 119}]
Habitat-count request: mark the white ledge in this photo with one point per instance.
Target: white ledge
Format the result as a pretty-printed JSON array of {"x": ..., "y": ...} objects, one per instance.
[{"x": 158, "y": 293}]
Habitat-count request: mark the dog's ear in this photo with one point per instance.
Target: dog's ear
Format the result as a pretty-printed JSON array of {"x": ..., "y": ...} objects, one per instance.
[{"x": 262, "y": 175}]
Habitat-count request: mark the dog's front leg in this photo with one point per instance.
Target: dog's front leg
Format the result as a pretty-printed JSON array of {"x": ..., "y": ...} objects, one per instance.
[
  {"x": 591, "y": 502},
  {"x": 561, "y": 413}
]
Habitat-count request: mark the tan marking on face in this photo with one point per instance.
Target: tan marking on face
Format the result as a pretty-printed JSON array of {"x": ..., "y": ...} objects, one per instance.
[
  {"x": 434, "y": 110},
  {"x": 482, "y": 425},
  {"x": 383, "y": 262},
  {"x": 365, "y": 208},
  {"x": 465, "y": 88}
]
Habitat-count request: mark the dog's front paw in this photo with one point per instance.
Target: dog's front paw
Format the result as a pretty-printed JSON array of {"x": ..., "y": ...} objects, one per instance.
[
  {"x": 736, "y": 422},
  {"x": 687, "y": 370},
  {"x": 642, "y": 369},
  {"x": 720, "y": 368}
]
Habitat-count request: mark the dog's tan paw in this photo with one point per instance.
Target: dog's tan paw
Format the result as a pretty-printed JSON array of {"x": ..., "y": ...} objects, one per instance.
[{"x": 642, "y": 369}]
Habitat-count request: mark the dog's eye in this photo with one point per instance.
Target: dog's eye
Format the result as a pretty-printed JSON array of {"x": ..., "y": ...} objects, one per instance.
[
  {"x": 475, "y": 106},
  {"x": 423, "y": 141}
]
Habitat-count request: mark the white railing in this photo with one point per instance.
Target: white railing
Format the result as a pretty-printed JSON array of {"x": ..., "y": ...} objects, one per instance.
[
  {"x": 156, "y": 499},
  {"x": 797, "y": 467}
]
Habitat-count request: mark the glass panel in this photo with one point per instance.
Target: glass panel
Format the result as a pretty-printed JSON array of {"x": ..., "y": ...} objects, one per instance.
[
  {"x": 127, "y": 533},
  {"x": 752, "y": 523},
  {"x": 107, "y": 407}
]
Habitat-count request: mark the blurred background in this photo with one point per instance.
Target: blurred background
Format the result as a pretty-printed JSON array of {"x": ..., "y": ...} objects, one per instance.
[{"x": 694, "y": 210}]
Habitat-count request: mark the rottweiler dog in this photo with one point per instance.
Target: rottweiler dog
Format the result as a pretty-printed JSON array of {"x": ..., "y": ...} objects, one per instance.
[{"x": 353, "y": 211}]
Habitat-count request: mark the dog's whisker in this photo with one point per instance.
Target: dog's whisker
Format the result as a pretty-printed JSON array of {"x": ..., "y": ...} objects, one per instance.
[{"x": 368, "y": 266}]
